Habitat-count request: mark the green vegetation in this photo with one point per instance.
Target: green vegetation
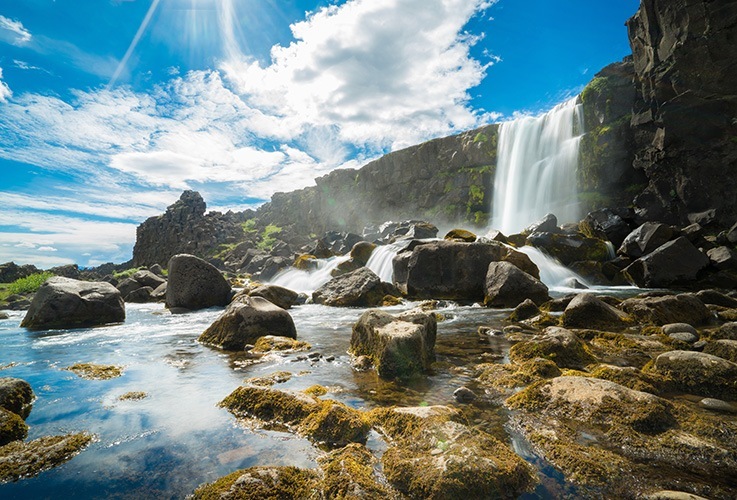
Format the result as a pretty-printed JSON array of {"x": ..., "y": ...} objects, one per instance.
[
  {"x": 29, "y": 284},
  {"x": 91, "y": 371},
  {"x": 267, "y": 237},
  {"x": 249, "y": 226},
  {"x": 222, "y": 250},
  {"x": 121, "y": 275}
]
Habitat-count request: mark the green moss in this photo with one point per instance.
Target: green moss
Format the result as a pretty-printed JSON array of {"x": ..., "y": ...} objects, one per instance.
[
  {"x": 24, "y": 460},
  {"x": 133, "y": 396},
  {"x": 573, "y": 355},
  {"x": 269, "y": 405},
  {"x": 269, "y": 380},
  {"x": 267, "y": 237},
  {"x": 349, "y": 473},
  {"x": 316, "y": 390},
  {"x": 249, "y": 226},
  {"x": 256, "y": 483},
  {"x": 271, "y": 343},
  {"x": 628, "y": 377},
  {"x": 12, "y": 427},
  {"x": 335, "y": 424},
  {"x": 508, "y": 376},
  {"x": 92, "y": 371}
]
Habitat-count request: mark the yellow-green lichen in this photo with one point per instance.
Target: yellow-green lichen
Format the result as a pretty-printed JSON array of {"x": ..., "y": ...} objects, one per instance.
[{"x": 92, "y": 371}]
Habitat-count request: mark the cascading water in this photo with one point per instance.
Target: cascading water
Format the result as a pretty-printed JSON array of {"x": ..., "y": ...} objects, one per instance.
[
  {"x": 381, "y": 259},
  {"x": 308, "y": 281},
  {"x": 536, "y": 168}
]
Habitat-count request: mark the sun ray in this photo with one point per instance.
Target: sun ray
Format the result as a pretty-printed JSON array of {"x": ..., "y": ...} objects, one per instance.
[{"x": 134, "y": 42}]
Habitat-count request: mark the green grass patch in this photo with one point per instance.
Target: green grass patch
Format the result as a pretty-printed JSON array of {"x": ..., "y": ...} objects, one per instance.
[
  {"x": 267, "y": 237},
  {"x": 29, "y": 284},
  {"x": 121, "y": 275},
  {"x": 249, "y": 226}
]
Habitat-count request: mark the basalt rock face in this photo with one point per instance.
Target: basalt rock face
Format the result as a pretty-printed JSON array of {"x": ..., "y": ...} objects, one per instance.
[
  {"x": 185, "y": 228},
  {"x": 444, "y": 179},
  {"x": 685, "y": 61}
]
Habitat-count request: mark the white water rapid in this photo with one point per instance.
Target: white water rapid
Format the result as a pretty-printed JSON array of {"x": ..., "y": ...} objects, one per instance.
[
  {"x": 381, "y": 259},
  {"x": 536, "y": 168},
  {"x": 308, "y": 281}
]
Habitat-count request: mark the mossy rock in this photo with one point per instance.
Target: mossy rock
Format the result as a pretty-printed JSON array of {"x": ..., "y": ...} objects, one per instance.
[
  {"x": 274, "y": 343},
  {"x": 258, "y": 483},
  {"x": 556, "y": 344},
  {"x": 335, "y": 424},
  {"x": 697, "y": 373},
  {"x": 433, "y": 456},
  {"x": 133, "y": 396},
  {"x": 92, "y": 371},
  {"x": 316, "y": 391},
  {"x": 511, "y": 375},
  {"x": 630, "y": 377},
  {"x": 12, "y": 427},
  {"x": 269, "y": 380},
  {"x": 349, "y": 473},
  {"x": 726, "y": 349},
  {"x": 24, "y": 460},
  {"x": 16, "y": 395},
  {"x": 460, "y": 235},
  {"x": 305, "y": 262}
]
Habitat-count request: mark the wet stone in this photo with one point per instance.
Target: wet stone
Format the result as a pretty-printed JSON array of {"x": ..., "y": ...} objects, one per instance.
[
  {"x": 714, "y": 404},
  {"x": 464, "y": 395}
]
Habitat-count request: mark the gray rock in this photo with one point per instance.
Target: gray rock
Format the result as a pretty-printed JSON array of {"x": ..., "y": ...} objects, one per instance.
[
  {"x": 359, "y": 288},
  {"x": 148, "y": 278},
  {"x": 714, "y": 404},
  {"x": 722, "y": 258},
  {"x": 10, "y": 271},
  {"x": 645, "y": 239},
  {"x": 727, "y": 331},
  {"x": 508, "y": 286},
  {"x": 682, "y": 308},
  {"x": 159, "y": 293},
  {"x": 282, "y": 297},
  {"x": 157, "y": 270},
  {"x": 588, "y": 311},
  {"x": 399, "y": 346},
  {"x": 245, "y": 321},
  {"x": 526, "y": 310},
  {"x": 605, "y": 224},
  {"x": 195, "y": 284},
  {"x": 716, "y": 298},
  {"x": 698, "y": 373},
  {"x": 464, "y": 395},
  {"x": 4, "y": 315},
  {"x": 127, "y": 286},
  {"x": 672, "y": 328},
  {"x": 724, "y": 348},
  {"x": 677, "y": 261},
  {"x": 687, "y": 337},
  {"x": 140, "y": 295},
  {"x": 548, "y": 224},
  {"x": 68, "y": 303}
]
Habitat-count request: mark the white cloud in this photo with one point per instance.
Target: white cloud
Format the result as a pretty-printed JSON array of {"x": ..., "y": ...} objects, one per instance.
[
  {"x": 5, "y": 91},
  {"x": 13, "y": 32},
  {"x": 46, "y": 249}
]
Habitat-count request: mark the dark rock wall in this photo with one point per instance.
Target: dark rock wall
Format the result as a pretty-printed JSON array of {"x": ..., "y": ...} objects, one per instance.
[
  {"x": 685, "y": 116},
  {"x": 185, "y": 228},
  {"x": 443, "y": 180}
]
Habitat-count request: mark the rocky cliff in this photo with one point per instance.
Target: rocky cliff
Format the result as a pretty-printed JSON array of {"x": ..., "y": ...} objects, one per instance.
[
  {"x": 443, "y": 180},
  {"x": 185, "y": 228},
  {"x": 685, "y": 115}
]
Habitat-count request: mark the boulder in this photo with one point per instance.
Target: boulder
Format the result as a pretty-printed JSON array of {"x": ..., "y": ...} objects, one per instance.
[
  {"x": 159, "y": 294},
  {"x": 548, "y": 224},
  {"x": 556, "y": 344},
  {"x": 127, "y": 286},
  {"x": 400, "y": 346},
  {"x": 140, "y": 295},
  {"x": 148, "y": 278},
  {"x": 526, "y": 310},
  {"x": 677, "y": 261},
  {"x": 16, "y": 395},
  {"x": 157, "y": 270},
  {"x": 588, "y": 311},
  {"x": 724, "y": 348},
  {"x": 278, "y": 295},
  {"x": 569, "y": 248},
  {"x": 716, "y": 298},
  {"x": 446, "y": 269},
  {"x": 645, "y": 239},
  {"x": 245, "y": 321},
  {"x": 68, "y": 303},
  {"x": 361, "y": 252},
  {"x": 460, "y": 235},
  {"x": 683, "y": 308},
  {"x": 698, "y": 373},
  {"x": 360, "y": 288},
  {"x": 605, "y": 224},
  {"x": 723, "y": 258},
  {"x": 195, "y": 284},
  {"x": 507, "y": 286},
  {"x": 522, "y": 261},
  {"x": 12, "y": 427}
]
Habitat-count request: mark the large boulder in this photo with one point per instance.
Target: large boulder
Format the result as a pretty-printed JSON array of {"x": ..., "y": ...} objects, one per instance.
[
  {"x": 12, "y": 427},
  {"x": 569, "y": 248},
  {"x": 360, "y": 288},
  {"x": 195, "y": 284},
  {"x": 245, "y": 321},
  {"x": 556, "y": 344},
  {"x": 278, "y": 295},
  {"x": 446, "y": 269},
  {"x": 645, "y": 239},
  {"x": 605, "y": 224},
  {"x": 677, "y": 261},
  {"x": 507, "y": 286},
  {"x": 69, "y": 303},
  {"x": 683, "y": 308},
  {"x": 588, "y": 311},
  {"x": 698, "y": 373},
  {"x": 399, "y": 346},
  {"x": 16, "y": 395}
]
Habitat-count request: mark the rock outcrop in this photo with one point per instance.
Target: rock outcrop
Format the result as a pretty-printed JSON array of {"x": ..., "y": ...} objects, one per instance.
[{"x": 68, "y": 303}]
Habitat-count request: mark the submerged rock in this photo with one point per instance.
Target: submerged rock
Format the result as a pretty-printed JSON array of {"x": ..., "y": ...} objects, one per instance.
[
  {"x": 92, "y": 371},
  {"x": 24, "y": 460},
  {"x": 399, "y": 346},
  {"x": 256, "y": 483},
  {"x": 12, "y": 427},
  {"x": 245, "y": 321},
  {"x": 195, "y": 284},
  {"x": 68, "y": 303},
  {"x": 433, "y": 456}
]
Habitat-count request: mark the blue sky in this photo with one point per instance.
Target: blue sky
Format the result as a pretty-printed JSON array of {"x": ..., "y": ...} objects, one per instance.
[{"x": 110, "y": 108}]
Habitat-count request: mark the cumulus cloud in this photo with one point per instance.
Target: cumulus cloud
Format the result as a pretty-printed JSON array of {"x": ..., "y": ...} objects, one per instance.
[
  {"x": 13, "y": 32},
  {"x": 5, "y": 91}
]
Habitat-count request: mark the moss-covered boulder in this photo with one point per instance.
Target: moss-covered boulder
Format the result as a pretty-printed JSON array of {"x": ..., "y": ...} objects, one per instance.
[
  {"x": 24, "y": 460},
  {"x": 257, "y": 483},
  {"x": 588, "y": 311},
  {"x": 349, "y": 473},
  {"x": 325, "y": 421},
  {"x": 94, "y": 371},
  {"x": 399, "y": 346},
  {"x": 460, "y": 235},
  {"x": 697, "y": 373},
  {"x": 508, "y": 376},
  {"x": 569, "y": 248},
  {"x": 12, "y": 427},
  {"x": 662, "y": 310},
  {"x": 16, "y": 395},
  {"x": 432, "y": 455},
  {"x": 556, "y": 344},
  {"x": 723, "y": 348},
  {"x": 305, "y": 262},
  {"x": 245, "y": 321},
  {"x": 275, "y": 343}
]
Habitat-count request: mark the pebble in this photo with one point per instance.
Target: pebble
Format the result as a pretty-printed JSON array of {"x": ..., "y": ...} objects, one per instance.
[
  {"x": 717, "y": 405},
  {"x": 464, "y": 395},
  {"x": 330, "y": 358},
  {"x": 672, "y": 328}
]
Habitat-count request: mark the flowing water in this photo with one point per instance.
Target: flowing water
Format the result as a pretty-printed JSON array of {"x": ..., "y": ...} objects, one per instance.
[
  {"x": 167, "y": 444},
  {"x": 537, "y": 159}
]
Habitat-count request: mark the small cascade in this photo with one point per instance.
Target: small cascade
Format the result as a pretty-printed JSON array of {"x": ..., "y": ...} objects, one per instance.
[
  {"x": 381, "y": 259},
  {"x": 308, "y": 281},
  {"x": 555, "y": 275},
  {"x": 537, "y": 160}
]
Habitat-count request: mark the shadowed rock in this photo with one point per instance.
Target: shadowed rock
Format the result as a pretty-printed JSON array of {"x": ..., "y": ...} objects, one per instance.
[{"x": 195, "y": 284}]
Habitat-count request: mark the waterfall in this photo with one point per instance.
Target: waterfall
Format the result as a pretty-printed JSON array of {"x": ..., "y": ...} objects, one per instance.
[
  {"x": 381, "y": 259},
  {"x": 308, "y": 281},
  {"x": 555, "y": 275},
  {"x": 536, "y": 168}
]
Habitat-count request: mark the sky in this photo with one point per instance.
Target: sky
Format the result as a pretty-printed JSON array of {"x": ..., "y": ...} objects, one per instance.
[{"x": 109, "y": 109}]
